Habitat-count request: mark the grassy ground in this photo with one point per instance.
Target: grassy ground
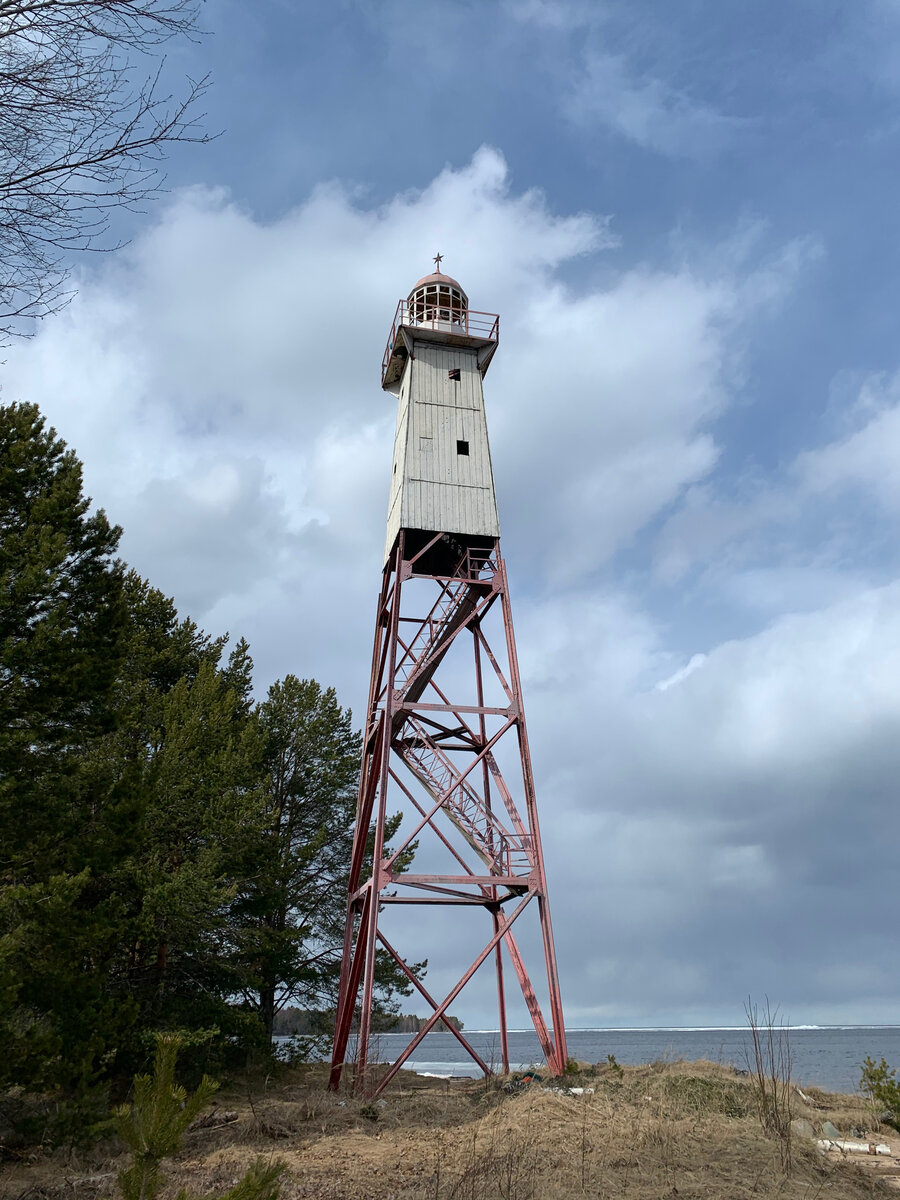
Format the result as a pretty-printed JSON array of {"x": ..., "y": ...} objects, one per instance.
[{"x": 679, "y": 1129}]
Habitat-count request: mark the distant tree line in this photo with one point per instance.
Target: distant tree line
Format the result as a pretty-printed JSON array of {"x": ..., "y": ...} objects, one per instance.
[
  {"x": 298, "y": 1021},
  {"x": 172, "y": 852}
]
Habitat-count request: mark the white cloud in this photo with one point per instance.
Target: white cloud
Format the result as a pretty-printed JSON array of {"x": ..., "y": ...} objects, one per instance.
[
  {"x": 619, "y": 386},
  {"x": 807, "y": 532},
  {"x": 717, "y": 809},
  {"x": 867, "y": 459},
  {"x": 557, "y": 14},
  {"x": 218, "y": 339},
  {"x": 209, "y": 532},
  {"x": 694, "y": 663},
  {"x": 586, "y": 49},
  {"x": 645, "y": 109},
  {"x": 801, "y": 696}
]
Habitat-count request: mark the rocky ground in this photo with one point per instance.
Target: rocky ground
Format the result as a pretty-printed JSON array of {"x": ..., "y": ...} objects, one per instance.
[{"x": 678, "y": 1129}]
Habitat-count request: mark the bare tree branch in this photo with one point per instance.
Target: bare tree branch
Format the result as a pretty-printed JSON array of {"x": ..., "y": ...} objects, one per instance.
[{"x": 84, "y": 126}]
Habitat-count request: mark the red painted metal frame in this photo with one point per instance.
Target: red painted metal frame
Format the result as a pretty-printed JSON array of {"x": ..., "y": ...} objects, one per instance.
[{"x": 412, "y": 725}]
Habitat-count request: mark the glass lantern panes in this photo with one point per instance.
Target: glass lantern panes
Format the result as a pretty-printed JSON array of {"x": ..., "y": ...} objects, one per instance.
[{"x": 438, "y": 305}]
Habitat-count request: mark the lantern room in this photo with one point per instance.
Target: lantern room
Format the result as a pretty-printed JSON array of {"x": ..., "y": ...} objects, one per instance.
[
  {"x": 438, "y": 302},
  {"x": 436, "y": 310}
]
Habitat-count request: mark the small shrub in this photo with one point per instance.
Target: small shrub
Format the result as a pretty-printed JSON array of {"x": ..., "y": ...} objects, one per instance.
[
  {"x": 613, "y": 1067},
  {"x": 879, "y": 1083},
  {"x": 153, "y": 1126}
]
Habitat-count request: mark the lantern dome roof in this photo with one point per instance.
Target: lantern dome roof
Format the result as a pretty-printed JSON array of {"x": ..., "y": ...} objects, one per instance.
[{"x": 437, "y": 277}]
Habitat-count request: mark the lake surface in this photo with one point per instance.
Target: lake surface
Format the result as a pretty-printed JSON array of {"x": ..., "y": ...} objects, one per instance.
[{"x": 829, "y": 1057}]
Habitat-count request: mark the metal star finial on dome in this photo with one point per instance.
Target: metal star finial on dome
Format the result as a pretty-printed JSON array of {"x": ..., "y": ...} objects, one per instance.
[{"x": 438, "y": 259}]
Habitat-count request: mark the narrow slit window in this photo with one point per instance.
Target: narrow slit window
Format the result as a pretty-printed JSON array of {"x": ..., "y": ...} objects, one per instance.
[
  {"x": 453, "y": 374},
  {"x": 462, "y": 448}
]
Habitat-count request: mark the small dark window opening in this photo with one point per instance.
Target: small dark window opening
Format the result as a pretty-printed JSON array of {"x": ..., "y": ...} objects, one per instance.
[
  {"x": 453, "y": 373},
  {"x": 462, "y": 448}
]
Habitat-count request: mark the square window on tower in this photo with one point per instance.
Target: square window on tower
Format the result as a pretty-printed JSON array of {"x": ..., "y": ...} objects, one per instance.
[
  {"x": 453, "y": 374},
  {"x": 462, "y": 448}
]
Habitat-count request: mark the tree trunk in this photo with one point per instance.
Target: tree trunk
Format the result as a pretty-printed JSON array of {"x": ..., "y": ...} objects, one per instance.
[{"x": 267, "y": 1009}]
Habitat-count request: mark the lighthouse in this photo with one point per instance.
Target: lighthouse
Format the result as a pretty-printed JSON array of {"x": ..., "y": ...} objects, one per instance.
[{"x": 445, "y": 740}]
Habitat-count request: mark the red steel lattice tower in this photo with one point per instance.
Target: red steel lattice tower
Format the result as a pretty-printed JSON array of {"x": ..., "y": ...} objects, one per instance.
[{"x": 445, "y": 736}]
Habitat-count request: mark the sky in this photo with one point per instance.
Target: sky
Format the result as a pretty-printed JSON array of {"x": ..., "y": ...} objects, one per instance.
[{"x": 687, "y": 217}]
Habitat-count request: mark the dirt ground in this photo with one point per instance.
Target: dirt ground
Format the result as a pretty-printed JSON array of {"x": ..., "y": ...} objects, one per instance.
[{"x": 680, "y": 1129}]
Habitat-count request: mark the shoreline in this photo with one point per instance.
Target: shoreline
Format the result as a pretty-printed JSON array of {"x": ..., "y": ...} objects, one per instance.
[{"x": 828, "y": 1057}]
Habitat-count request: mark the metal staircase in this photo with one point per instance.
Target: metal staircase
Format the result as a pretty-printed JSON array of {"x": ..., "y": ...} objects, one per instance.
[
  {"x": 504, "y": 853},
  {"x": 452, "y": 611}
]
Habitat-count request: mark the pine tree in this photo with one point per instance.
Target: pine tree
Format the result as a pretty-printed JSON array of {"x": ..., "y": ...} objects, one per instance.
[
  {"x": 128, "y": 760},
  {"x": 290, "y": 916},
  {"x": 203, "y": 816},
  {"x": 62, "y": 623},
  {"x": 187, "y": 740},
  {"x": 62, "y": 617},
  {"x": 171, "y": 857}
]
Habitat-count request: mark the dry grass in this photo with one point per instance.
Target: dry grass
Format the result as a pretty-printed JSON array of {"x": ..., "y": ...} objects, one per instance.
[{"x": 679, "y": 1129}]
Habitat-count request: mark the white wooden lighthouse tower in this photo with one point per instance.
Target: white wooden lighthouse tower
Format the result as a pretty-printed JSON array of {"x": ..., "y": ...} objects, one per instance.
[
  {"x": 442, "y": 478},
  {"x": 445, "y": 704}
]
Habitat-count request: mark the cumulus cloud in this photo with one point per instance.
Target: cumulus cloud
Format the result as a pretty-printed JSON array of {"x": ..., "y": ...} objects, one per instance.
[
  {"x": 597, "y": 82},
  {"x": 808, "y": 532},
  {"x": 706, "y": 815},
  {"x": 866, "y": 458},
  {"x": 645, "y": 109},
  {"x": 219, "y": 347}
]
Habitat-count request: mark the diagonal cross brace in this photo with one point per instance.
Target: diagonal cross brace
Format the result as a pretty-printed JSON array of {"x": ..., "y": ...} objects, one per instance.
[
  {"x": 429, "y": 999},
  {"x": 503, "y": 926}
]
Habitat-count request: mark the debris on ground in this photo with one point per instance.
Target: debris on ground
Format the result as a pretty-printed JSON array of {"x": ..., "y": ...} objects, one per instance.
[
  {"x": 853, "y": 1147},
  {"x": 214, "y": 1119}
]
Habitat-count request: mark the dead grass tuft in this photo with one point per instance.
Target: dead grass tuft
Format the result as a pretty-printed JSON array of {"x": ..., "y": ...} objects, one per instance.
[{"x": 680, "y": 1129}]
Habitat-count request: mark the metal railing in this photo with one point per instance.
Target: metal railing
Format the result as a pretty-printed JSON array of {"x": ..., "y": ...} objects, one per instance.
[{"x": 466, "y": 323}]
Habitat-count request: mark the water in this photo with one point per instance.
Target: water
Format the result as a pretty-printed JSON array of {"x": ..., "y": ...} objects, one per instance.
[{"x": 828, "y": 1056}]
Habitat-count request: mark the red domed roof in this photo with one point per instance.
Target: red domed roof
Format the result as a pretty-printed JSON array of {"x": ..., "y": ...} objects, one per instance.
[{"x": 437, "y": 277}]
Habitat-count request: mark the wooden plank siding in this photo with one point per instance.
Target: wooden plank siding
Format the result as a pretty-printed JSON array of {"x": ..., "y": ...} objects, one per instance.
[{"x": 434, "y": 486}]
